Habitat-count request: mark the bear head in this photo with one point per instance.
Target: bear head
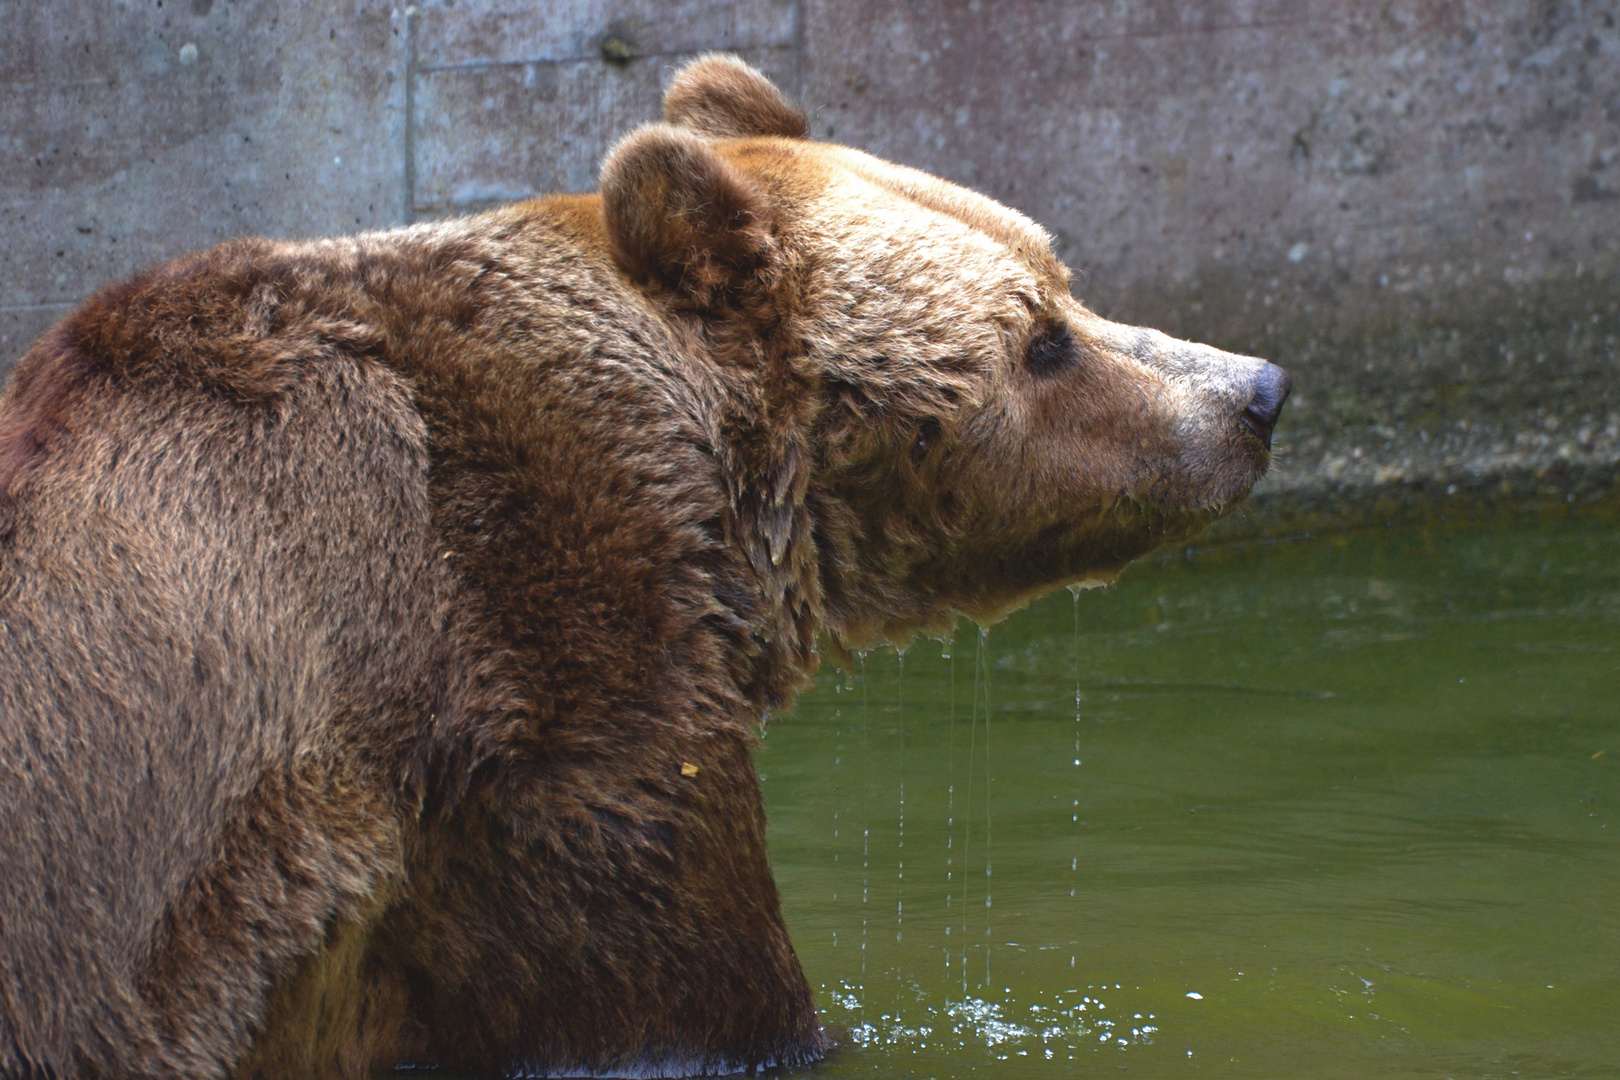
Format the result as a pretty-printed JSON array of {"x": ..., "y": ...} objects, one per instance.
[{"x": 926, "y": 421}]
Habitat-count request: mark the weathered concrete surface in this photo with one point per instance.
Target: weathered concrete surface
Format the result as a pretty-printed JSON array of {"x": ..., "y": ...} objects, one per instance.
[
  {"x": 514, "y": 99},
  {"x": 130, "y": 132},
  {"x": 1413, "y": 204}
]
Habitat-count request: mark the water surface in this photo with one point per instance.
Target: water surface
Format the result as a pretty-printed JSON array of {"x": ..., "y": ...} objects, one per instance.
[{"x": 1342, "y": 807}]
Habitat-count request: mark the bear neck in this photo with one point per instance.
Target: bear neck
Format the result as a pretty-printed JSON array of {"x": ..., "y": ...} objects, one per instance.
[{"x": 763, "y": 429}]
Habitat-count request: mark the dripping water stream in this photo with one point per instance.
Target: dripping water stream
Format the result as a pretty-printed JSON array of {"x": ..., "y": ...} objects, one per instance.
[
  {"x": 900, "y": 844},
  {"x": 983, "y": 676},
  {"x": 866, "y": 817}
]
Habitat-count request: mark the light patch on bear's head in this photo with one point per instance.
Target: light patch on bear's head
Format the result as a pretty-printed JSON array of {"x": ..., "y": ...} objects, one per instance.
[
  {"x": 973, "y": 435},
  {"x": 1016, "y": 233}
]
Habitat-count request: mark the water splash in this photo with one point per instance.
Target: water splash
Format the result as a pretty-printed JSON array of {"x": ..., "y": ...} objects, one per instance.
[{"x": 1005, "y": 1028}]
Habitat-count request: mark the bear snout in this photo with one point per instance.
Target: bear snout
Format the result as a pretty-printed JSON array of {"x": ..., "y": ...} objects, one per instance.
[{"x": 1271, "y": 386}]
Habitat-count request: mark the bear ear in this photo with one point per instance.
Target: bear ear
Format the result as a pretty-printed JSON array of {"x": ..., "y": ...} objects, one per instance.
[
  {"x": 723, "y": 98},
  {"x": 679, "y": 214}
]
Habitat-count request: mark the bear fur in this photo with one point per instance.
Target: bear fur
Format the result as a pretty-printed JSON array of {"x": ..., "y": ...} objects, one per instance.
[{"x": 366, "y": 604}]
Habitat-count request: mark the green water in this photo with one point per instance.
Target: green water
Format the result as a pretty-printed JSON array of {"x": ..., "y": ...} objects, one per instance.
[{"x": 1347, "y": 807}]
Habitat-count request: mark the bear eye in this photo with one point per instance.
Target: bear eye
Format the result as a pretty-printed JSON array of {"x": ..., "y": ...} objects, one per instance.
[{"x": 1050, "y": 350}]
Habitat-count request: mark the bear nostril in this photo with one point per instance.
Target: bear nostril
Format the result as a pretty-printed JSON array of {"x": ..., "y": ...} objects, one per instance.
[{"x": 1270, "y": 391}]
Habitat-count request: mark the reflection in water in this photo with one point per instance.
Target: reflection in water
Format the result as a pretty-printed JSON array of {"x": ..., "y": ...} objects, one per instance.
[{"x": 1337, "y": 808}]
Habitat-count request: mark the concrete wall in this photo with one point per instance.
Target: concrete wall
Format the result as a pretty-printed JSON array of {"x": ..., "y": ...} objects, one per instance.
[
  {"x": 1413, "y": 204},
  {"x": 132, "y": 131}
]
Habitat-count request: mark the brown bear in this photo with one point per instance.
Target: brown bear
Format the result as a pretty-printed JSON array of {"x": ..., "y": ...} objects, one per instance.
[{"x": 386, "y": 622}]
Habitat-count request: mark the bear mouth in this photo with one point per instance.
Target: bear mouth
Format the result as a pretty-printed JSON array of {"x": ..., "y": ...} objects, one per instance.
[
  {"x": 1199, "y": 490},
  {"x": 1256, "y": 426}
]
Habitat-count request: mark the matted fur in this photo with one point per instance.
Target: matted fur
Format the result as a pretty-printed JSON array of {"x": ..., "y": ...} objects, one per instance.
[{"x": 363, "y": 602}]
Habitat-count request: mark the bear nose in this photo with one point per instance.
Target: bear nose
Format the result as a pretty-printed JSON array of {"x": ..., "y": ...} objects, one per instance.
[{"x": 1270, "y": 391}]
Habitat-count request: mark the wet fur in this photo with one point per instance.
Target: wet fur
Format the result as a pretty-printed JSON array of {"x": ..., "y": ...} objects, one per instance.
[{"x": 361, "y": 602}]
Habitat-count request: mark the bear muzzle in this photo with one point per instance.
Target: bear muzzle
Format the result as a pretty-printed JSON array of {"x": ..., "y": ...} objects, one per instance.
[{"x": 1225, "y": 408}]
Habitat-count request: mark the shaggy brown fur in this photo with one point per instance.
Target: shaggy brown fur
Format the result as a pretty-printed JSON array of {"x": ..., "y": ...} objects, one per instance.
[{"x": 363, "y": 602}]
